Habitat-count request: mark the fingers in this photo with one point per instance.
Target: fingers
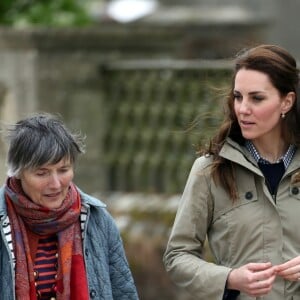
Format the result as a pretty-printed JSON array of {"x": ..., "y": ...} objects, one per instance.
[
  {"x": 261, "y": 280},
  {"x": 292, "y": 277},
  {"x": 289, "y": 270},
  {"x": 262, "y": 283},
  {"x": 289, "y": 264},
  {"x": 260, "y": 287},
  {"x": 254, "y": 279},
  {"x": 260, "y": 272},
  {"x": 291, "y": 274},
  {"x": 257, "y": 267}
]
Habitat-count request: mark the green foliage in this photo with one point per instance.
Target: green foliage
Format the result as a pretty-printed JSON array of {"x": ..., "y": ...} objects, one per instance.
[{"x": 52, "y": 13}]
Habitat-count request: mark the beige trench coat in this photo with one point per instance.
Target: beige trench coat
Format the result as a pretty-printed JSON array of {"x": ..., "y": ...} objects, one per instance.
[{"x": 257, "y": 228}]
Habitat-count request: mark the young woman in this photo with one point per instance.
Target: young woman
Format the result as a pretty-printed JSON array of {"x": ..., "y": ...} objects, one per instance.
[{"x": 243, "y": 194}]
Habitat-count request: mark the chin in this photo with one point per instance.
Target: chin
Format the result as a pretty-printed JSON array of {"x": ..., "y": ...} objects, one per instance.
[
  {"x": 249, "y": 136},
  {"x": 52, "y": 205}
]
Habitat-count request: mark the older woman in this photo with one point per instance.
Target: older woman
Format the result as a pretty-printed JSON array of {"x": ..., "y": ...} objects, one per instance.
[{"x": 56, "y": 241}]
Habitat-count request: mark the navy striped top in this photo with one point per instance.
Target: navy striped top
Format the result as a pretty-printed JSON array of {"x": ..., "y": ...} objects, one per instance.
[{"x": 45, "y": 267}]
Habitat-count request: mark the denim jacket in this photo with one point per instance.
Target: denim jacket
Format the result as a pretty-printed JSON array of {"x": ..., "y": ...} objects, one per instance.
[{"x": 108, "y": 273}]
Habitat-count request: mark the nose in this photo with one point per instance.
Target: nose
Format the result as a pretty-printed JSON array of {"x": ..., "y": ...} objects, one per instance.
[
  {"x": 244, "y": 107},
  {"x": 54, "y": 181}
]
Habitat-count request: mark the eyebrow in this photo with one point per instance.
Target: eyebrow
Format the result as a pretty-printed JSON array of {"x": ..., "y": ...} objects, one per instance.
[
  {"x": 256, "y": 92},
  {"x": 45, "y": 167},
  {"x": 251, "y": 93}
]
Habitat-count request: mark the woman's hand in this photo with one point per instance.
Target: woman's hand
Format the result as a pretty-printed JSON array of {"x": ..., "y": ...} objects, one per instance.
[
  {"x": 289, "y": 270},
  {"x": 253, "y": 279}
]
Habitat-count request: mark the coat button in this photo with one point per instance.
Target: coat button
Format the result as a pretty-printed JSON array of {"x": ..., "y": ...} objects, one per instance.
[
  {"x": 249, "y": 195},
  {"x": 93, "y": 294},
  {"x": 295, "y": 190}
]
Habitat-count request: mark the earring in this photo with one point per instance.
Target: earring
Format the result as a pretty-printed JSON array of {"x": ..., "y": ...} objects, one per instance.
[{"x": 282, "y": 115}]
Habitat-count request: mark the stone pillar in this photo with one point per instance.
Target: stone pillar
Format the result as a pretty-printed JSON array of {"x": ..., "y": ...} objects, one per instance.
[{"x": 46, "y": 71}]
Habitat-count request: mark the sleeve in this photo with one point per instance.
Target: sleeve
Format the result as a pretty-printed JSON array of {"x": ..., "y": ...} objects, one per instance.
[
  {"x": 230, "y": 294},
  {"x": 123, "y": 287},
  {"x": 183, "y": 257}
]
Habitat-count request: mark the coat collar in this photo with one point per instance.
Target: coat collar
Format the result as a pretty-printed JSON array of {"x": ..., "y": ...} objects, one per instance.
[
  {"x": 237, "y": 153},
  {"x": 88, "y": 200}
]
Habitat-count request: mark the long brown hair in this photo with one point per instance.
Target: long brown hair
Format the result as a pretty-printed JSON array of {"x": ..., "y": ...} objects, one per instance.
[{"x": 281, "y": 68}]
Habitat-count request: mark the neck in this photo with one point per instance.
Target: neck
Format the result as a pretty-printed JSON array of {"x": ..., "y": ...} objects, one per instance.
[{"x": 272, "y": 152}]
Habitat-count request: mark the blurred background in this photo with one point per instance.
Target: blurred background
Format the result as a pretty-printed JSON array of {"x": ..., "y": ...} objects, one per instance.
[{"x": 144, "y": 80}]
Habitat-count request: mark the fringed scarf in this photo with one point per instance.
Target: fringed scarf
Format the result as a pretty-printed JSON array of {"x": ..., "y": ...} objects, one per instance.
[{"x": 63, "y": 221}]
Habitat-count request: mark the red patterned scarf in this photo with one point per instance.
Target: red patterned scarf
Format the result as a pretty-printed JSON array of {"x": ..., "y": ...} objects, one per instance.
[{"x": 63, "y": 221}]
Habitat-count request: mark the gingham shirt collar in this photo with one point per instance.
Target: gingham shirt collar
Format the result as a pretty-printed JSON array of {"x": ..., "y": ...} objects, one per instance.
[{"x": 286, "y": 158}]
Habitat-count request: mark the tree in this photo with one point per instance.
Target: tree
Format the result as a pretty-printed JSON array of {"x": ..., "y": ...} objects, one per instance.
[{"x": 56, "y": 13}]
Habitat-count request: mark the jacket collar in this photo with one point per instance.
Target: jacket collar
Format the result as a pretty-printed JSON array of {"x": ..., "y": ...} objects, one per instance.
[
  {"x": 88, "y": 200},
  {"x": 237, "y": 153}
]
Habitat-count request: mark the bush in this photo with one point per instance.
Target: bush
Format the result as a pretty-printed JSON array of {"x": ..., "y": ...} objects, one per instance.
[{"x": 56, "y": 13}]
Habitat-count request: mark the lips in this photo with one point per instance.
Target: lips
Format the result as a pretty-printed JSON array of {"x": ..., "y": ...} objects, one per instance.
[
  {"x": 53, "y": 195},
  {"x": 246, "y": 124}
]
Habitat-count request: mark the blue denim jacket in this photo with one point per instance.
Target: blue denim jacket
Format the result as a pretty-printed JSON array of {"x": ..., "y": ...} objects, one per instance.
[{"x": 109, "y": 276}]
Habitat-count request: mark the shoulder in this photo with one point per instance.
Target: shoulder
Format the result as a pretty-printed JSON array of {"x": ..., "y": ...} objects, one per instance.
[
  {"x": 99, "y": 217},
  {"x": 97, "y": 209},
  {"x": 200, "y": 173},
  {"x": 2, "y": 192},
  {"x": 203, "y": 161},
  {"x": 202, "y": 165},
  {"x": 89, "y": 200}
]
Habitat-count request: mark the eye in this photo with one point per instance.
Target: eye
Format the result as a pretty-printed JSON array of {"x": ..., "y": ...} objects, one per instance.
[
  {"x": 237, "y": 97},
  {"x": 64, "y": 169},
  {"x": 257, "y": 98},
  {"x": 40, "y": 173}
]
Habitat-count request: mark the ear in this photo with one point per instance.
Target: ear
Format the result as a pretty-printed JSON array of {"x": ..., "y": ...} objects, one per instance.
[{"x": 288, "y": 102}]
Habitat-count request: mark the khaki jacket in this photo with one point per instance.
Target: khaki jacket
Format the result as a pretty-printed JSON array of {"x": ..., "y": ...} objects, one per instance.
[{"x": 257, "y": 228}]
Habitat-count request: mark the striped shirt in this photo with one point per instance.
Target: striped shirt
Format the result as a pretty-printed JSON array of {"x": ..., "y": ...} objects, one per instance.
[
  {"x": 286, "y": 158},
  {"x": 273, "y": 172},
  {"x": 45, "y": 267}
]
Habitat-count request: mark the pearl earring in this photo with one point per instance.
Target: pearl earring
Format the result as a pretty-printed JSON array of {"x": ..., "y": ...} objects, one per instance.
[{"x": 282, "y": 115}]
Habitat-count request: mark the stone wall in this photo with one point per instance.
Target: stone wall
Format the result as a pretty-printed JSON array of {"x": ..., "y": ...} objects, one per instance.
[
  {"x": 145, "y": 221},
  {"x": 58, "y": 71}
]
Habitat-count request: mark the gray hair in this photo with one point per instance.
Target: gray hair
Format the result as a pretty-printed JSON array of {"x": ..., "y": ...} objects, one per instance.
[{"x": 40, "y": 139}]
